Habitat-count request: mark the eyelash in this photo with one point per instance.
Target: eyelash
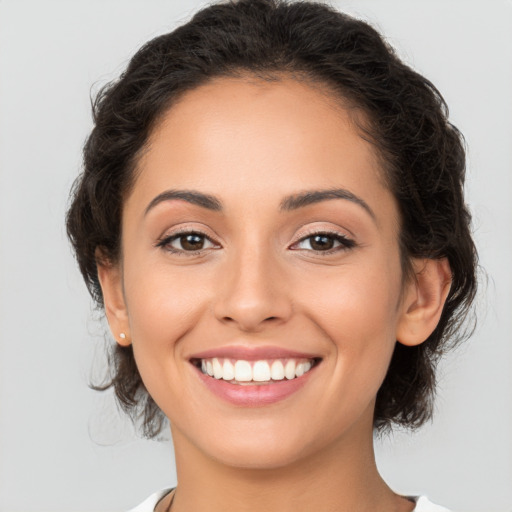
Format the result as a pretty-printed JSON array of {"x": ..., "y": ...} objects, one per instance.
[
  {"x": 165, "y": 243},
  {"x": 345, "y": 243}
]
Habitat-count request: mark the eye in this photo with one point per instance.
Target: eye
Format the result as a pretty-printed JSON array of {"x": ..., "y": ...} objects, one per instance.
[
  {"x": 324, "y": 242},
  {"x": 191, "y": 242}
]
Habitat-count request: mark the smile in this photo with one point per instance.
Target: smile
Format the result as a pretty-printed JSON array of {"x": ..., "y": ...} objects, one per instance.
[
  {"x": 265, "y": 371},
  {"x": 254, "y": 376}
]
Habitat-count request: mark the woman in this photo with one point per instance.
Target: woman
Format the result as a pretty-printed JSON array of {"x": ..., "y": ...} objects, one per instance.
[{"x": 271, "y": 214}]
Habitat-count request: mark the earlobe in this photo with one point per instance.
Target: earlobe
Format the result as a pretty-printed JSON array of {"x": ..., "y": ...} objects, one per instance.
[
  {"x": 110, "y": 277},
  {"x": 423, "y": 300}
]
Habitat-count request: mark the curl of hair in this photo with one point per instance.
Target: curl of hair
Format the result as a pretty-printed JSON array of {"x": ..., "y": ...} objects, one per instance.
[{"x": 422, "y": 155}]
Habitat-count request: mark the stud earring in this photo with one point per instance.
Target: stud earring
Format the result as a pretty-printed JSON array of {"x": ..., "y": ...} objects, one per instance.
[{"x": 122, "y": 336}]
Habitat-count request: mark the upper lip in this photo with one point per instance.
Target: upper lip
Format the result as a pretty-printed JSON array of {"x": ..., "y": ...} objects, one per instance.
[{"x": 253, "y": 353}]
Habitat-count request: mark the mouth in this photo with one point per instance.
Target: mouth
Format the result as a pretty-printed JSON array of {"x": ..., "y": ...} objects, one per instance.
[
  {"x": 255, "y": 376},
  {"x": 255, "y": 372}
]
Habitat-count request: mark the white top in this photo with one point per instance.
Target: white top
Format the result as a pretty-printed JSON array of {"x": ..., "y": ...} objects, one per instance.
[{"x": 148, "y": 505}]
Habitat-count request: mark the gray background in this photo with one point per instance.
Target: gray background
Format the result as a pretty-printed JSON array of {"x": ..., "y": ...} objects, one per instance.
[{"x": 64, "y": 447}]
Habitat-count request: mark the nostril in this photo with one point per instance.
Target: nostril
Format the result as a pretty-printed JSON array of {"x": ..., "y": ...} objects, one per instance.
[
  {"x": 231, "y": 319},
  {"x": 251, "y": 313}
]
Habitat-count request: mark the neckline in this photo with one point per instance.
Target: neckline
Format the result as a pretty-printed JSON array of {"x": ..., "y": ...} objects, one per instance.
[
  {"x": 162, "y": 496},
  {"x": 159, "y": 496}
]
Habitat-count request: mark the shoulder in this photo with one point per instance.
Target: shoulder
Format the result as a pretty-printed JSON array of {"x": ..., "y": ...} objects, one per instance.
[
  {"x": 149, "y": 504},
  {"x": 423, "y": 504}
]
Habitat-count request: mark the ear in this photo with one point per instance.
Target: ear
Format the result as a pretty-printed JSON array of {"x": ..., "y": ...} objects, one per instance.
[
  {"x": 423, "y": 300},
  {"x": 110, "y": 277}
]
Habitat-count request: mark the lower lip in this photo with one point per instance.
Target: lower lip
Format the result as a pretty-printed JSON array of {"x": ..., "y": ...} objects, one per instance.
[{"x": 254, "y": 395}]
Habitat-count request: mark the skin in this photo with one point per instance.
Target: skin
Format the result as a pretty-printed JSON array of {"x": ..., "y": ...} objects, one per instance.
[{"x": 258, "y": 282}]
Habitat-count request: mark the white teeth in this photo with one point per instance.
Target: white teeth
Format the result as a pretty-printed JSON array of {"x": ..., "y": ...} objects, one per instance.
[
  {"x": 289, "y": 369},
  {"x": 243, "y": 371},
  {"x": 217, "y": 368},
  {"x": 277, "y": 370},
  {"x": 228, "y": 370},
  {"x": 261, "y": 371},
  {"x": 258, "y": 371},
  {"x": 299, "y": 370}
]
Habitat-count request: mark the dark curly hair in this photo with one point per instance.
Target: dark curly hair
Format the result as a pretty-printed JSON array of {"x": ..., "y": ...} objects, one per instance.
[{"x": 422, "y": 155}]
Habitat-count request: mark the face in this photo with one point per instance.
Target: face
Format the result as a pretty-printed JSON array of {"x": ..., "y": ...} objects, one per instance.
[{"x": 260, "y": 245}]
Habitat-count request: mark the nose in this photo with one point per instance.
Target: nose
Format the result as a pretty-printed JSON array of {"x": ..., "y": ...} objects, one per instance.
[{"x": 252, "y": 293}]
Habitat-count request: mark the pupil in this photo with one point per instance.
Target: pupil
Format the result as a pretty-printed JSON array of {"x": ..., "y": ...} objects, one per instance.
[
  {"x": 322, "y": 243},
  {"x": 192, "y": 242}
]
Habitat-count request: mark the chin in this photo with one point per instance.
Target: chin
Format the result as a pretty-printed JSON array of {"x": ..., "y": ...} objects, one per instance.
[
  {"x": 263, "y": 448},
  {"x": 255, "y": 457}
]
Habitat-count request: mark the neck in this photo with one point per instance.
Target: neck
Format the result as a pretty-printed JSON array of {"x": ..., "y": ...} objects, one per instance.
[{"x": 343, "y": 477}]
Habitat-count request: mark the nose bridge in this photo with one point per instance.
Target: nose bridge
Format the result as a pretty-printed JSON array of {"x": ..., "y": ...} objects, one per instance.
[{"x": 252, "y": 293}]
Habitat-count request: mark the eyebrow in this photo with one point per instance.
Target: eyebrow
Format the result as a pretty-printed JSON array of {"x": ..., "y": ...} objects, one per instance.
[
  {"x": 316, "y": 196},
  {"x": 198, "y": 198},
  {"x": 289, "y": 203}
]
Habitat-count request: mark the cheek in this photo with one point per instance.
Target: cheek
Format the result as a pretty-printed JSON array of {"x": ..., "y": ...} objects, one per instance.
[
  {"x": 356, "y": 307},
  {"x": 161, "y": 302},
  {"x": 163, "y": 307},
  {"x": 358, "y": 318},
  {"x": 355, "y": 298}
]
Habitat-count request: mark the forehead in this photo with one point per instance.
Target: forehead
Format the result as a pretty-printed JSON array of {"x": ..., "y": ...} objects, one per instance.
[{"x": 240, "y": 137}]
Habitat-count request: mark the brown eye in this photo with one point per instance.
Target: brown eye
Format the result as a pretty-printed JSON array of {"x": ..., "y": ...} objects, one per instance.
[
  {"x": 324, "y": 242},
  {"x": 187, "y": 243},
  {"x": 191, "y": 242},
  {"x": 321, "y": 242}
]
